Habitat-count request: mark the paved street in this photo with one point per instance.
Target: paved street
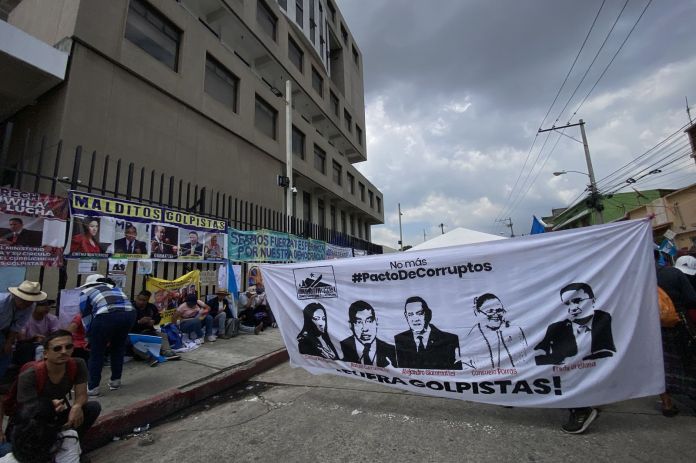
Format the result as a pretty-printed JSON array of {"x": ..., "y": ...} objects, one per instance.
[{"x": 289, "y": 415}]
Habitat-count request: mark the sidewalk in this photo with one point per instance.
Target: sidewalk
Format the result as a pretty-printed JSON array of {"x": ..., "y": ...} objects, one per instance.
[{"x": 149, "y": 393}]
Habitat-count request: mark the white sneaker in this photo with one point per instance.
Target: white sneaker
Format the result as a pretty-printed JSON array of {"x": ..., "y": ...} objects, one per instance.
[
  {"x": 211, "y": 338},
  {"x": 93, "y": 392},
  {"x": 114, "y": 384},
  {"x": 198, "y": 341}
]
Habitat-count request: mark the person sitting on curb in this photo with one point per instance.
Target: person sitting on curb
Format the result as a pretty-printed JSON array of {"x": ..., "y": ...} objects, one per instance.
[
  {"x": 245, "y": 307},
  {"x": 218, "y": 310},
  {"x": 146, "y": 318},
  {"x": 40, "y": 324},
  {"x": 192, "y": 315}
]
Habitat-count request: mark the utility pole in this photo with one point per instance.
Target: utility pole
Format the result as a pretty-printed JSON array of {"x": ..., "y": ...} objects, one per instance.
[
  {"x": 401, "y": 235},
  {"x": 442, "y": 227},
  {"x": 594, "y": 194},
  {"x": 508, "y": 223},
  {"x": 424, "y": 235},
  {"x": 688, "y": 110}
]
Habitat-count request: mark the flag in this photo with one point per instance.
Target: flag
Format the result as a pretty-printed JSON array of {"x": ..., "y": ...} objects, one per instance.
[{"x": 538, "y": 226}]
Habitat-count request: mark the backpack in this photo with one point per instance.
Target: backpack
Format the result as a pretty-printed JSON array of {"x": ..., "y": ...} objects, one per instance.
[
  {"x": 10, "y": 402},
  {"x": 174, "y": 337},
  {"x": 668, "y": 314},
  {"x": 232, "y": 327}
]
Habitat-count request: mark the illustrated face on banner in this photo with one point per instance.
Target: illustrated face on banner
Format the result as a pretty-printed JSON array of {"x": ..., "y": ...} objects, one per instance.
[
  {"x": 319, "y": 320},
  {"x": 415, "y": 316},
  {"x": 364, "y": 326},
  {"x": 494, "y": 311},
  {"x": 580, "y": 304}
]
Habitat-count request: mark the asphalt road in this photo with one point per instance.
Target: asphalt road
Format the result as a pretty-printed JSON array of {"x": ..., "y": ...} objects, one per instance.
[{"x": 287, "y": 415}]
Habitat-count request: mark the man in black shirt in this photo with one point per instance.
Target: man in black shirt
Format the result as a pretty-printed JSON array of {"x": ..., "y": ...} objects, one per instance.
[{"x": 147, "y": 317}]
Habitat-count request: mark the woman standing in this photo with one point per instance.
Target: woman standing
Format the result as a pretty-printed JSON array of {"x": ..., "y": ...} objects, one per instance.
[{"x": 314, "y": 338}]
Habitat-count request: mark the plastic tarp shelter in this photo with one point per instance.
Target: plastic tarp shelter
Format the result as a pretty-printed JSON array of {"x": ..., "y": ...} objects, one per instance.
[{"x": 456, "y": 237}]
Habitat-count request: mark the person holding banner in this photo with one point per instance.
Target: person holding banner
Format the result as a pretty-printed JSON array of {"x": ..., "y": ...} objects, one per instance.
[
  {"x": 314, "y": 338},
  {"x": 87, "y": 242},
  {"x": 423, "y": 345},
  {"x": 364, "y": 346}
]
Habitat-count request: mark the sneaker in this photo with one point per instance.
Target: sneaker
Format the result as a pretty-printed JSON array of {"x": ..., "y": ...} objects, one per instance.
[
  {"x": 173, "y": 357},
  {"x": 154, "y": 363},
  {"x": 114, "y": 384},
  {"x": 258, "y": 328},
  {"x": 198, "y": 341},
  {"x": 579, "y": 420},
  {"x": 93, "y": 392},
  {"x": 211, "y": 338}
]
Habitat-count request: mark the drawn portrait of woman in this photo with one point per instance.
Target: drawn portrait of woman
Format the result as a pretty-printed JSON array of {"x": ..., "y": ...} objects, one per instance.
[{"x": 314, "y": 337}]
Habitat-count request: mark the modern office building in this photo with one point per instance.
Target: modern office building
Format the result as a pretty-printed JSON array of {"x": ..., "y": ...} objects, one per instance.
[{"x": 196, "y": 89}]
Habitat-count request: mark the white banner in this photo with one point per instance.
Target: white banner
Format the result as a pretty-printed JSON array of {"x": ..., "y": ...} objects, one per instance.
[{"x": 563, "y": 319}]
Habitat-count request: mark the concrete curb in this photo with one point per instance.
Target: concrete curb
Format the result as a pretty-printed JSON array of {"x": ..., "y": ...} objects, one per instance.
[{"x": 171, "y": 401}]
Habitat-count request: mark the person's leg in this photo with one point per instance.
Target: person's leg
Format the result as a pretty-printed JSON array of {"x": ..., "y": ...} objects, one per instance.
[
  {"x": 91, "y": 411},
  {"x": 97, "y": 340},
  {"x": 5, "y": 359},
  {"x": 219, "y": 321},
  {"x": 208, "y": 320},
  {"x": 192, "y": 325},
  {"x": 121, "y": 323},
  {"x": 166, "y": 347}
]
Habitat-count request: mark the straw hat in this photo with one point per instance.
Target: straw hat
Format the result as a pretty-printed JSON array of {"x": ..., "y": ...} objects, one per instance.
[
  {"x": 222, "y": 291},
  {"x": 28, "y": 291}
]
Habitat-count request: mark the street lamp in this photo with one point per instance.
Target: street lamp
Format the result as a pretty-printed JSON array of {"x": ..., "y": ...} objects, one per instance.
[
  {"x": 563, "y": 172},
  {"x": 401, "y": 236}
]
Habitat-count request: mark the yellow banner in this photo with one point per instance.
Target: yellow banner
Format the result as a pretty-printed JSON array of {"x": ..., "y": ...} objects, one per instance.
[{"x": 167, "y": 295}]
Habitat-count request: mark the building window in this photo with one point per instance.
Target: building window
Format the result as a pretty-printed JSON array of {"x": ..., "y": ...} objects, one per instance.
[
  {"x": 265, "y": 118},
  {"x": 344, "y": 34},
  {"x": 351, "y": 183},
  {"x": 332, "y": 11},
  {"x": 343, "y": 222},
  {"x": 317, "y": 82},
  {"x": 356, "y": 58},
  {"x": 321, "y": 212},
  {"x": 299, "y": 12},
  {"x": 371, "y": 195},
  {"x": 358, "y": 134},
  {"x": 283, "y": 4},
  {"x": 151, "y": 31},
  {"x": 332, "y": 212},
  {"x": 298, "y": 142},
  {"x": 306, "y": 207},
  {"x": 379, "y": 204},
  {"x": 348, "y": 120},
  {"x": 220, "y": 83},
  {"x": 367, "y": 231},
  {"x": 334, "y": 103},
  {"x": 352, "y": 225},
  {"x": 295, "y": 54},
  {"x": 337, "y": 173},
  {"x": 266, "y": 19},
  {"x": 361, "y": 187},
  {"x": 321, "y": 30},
  {"x": 312, "y": 23},
  {"x": 319, "y": 159}
]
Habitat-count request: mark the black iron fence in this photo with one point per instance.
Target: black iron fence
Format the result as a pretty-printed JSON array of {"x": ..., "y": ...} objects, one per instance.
[{"x": 52, "y": 169}]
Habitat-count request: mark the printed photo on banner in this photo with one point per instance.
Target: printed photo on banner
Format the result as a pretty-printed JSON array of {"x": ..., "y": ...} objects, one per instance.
[
  {"x": 167, "y": 295},
  {"x": 91, "y": 236},
  {"x": 32, "y": 228},
  {"x": 215, "y": 248},
  {"x": 476, "y": 323},
  {"x": 191, "y": 244},
  {"x": 164, "y": 241},
  {"x": 87, "y": 266},
  {"x": 131, "y": 239}
]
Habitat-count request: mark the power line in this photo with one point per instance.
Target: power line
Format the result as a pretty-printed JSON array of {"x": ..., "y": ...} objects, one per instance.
[{"x": 612, "y": 58}]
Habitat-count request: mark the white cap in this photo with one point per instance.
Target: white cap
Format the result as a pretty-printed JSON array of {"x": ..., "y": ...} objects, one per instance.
[{"x": 686, "y": 264}]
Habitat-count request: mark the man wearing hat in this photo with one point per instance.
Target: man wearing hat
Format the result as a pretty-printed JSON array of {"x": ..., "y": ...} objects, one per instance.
[
  {"x": 16, "y": 307},
  {"x": 107, "y": 315},
  {"x": 221, "y": 312}
]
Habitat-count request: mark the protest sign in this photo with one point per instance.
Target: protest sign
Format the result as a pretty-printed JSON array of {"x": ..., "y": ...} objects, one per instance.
[
  {"x": 167, "y": 295},
  {"x": 564, "y": 319},
  {"x": 32, "y": 228},
  {"x": 337, "y": 252},
  {"x": 108, "y": 227}
]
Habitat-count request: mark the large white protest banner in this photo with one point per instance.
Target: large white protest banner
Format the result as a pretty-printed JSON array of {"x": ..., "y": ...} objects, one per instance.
[{"x": 564, "y": 319}]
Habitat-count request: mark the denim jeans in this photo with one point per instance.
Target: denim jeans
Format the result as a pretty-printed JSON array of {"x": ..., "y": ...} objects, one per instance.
[
  {"x": 5, "y": 359},
  {"x": 108, "y": 329},
  {"x": 194, "y": 325},
  {"x": 219, "y": 322}
]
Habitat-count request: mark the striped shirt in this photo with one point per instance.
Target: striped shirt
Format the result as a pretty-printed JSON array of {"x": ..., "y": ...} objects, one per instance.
[{"x": 100, "y": 299}]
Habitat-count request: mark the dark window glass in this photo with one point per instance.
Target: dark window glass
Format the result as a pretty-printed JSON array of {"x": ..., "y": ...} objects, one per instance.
[
  {"x": 332, "y": 11},
  {"x": 299, "y": 12},
  {"x": 348, "y": 121},
  {"x": 312, "y": 23},
  {"x": 352, "y": 225},
  {"x": 317, "y": 82},
  {"x": 319, "y": 159},
  {"x": 220, "y": 83},
  {"x": 321, "y": 212},
  {"x": 358, "y": 134},
  {"x": 295, "y": 54},
  {"x": 356, "y": 57},
  {"x": 334, "y": 103},
  {"x": 150, "y": 30},
  {"x": 266, "y": 19},
  {"x": 298, "y": 142},
  {"x": 344, "y": 34},
  {"x": 265, "y": 118},
  {"x": 343, "y": 223},
  {"x": 371, "y": 195},
  {"x": 283, "y": 4},
  {"x": 351, "y": 183},
  {"x": 337, "y": 173},
  {"x": 306, "y": 207},
  {"x": 379, "y": 204},
  {"x": 333, "y": 217},
  {"x": 362, "y": 191}
]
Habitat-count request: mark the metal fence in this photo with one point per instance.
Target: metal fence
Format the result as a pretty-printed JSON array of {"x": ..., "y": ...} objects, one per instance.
[{"x": 53, "y": 170}]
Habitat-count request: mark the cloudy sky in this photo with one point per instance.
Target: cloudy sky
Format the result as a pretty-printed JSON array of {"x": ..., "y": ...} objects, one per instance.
[{"x": 455, "y": 91}]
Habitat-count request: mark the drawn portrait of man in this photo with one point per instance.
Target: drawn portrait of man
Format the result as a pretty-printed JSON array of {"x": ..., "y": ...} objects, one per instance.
[
  {"x": 364, "y": 346},
  {"x": 493, "y": 342},
  {"x": 584, "y": 335},
  {"x": 423, "y": 345}
]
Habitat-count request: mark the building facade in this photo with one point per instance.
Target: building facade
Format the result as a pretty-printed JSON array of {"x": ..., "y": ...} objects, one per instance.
[{"x": 195, "y": 89}]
